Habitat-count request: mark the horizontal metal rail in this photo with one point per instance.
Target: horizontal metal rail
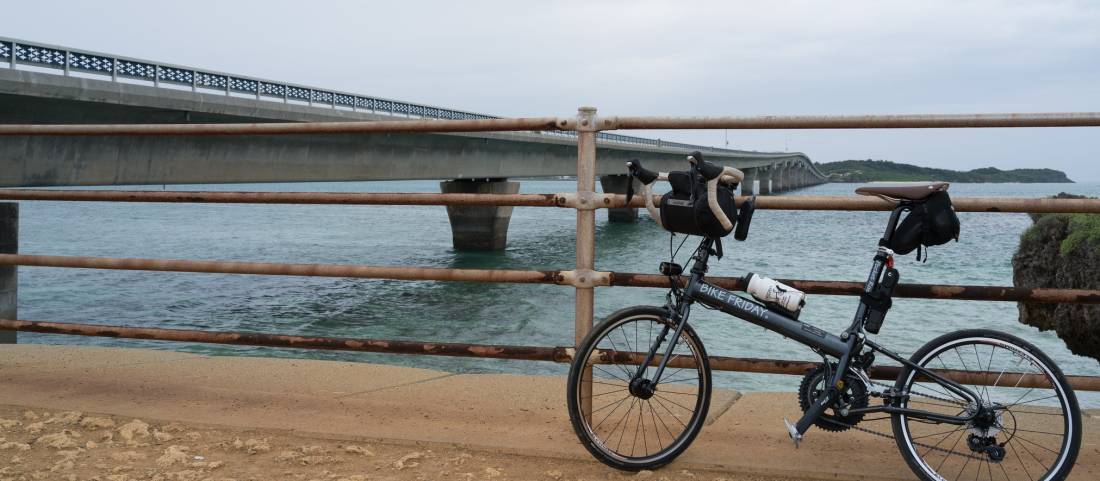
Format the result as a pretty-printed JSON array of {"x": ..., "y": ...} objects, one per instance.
[
  {"x": 329, "y": 198},
  {"x": 557, "y": 277},
  {"x": 915, "y": 121},
  {"x": 1074, "y": 119},
  {"x": 1041, "y": 295},
  {"x": 800, "y": 202},
  {"x": 961, "y": 204},
  {"x": 276, "y": 269},
  {"x": 284, "y": 128},
  {"x": 530, "y": 353}
]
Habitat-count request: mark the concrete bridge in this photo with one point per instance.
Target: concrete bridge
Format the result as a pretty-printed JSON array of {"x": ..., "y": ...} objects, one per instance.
[{"x": 51, "y": 84}]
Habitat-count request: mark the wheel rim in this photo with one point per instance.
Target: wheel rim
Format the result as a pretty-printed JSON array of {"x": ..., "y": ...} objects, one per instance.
[
  {"x": 1022, "y": 421},
  {"x": 625, "y": 426}
]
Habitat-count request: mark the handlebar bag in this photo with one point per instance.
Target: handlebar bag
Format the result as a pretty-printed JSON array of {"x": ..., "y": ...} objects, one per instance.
[
  {"x": 685, "y": 209},
  {"x": 930, "y": 223}
]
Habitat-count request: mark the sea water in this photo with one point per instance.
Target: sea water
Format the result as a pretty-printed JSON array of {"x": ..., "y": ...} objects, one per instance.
[{"x": 781, "y": 244}]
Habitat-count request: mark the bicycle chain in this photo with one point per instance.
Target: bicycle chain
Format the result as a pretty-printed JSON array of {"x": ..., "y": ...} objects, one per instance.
[{"x": 889, "y": 436}]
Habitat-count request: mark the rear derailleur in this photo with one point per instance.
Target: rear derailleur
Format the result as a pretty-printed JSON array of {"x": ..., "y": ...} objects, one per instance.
[{"x": 987, "y": 446}]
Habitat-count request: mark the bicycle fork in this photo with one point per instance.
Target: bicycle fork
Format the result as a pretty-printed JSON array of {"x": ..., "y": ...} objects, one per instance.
[{"x": 680, "y": 317}]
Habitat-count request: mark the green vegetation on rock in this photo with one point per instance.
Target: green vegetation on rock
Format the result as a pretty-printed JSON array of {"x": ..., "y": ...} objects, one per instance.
[
  {"x": 1079, "y": 230},
  {"x": 885, "y": 170}
]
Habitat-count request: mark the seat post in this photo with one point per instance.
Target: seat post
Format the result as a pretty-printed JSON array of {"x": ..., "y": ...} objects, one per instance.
[{"x": 892, "y": 225}]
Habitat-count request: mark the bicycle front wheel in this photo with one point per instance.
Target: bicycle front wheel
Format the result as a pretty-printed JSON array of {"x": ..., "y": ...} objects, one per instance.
[
  {"x": 1027, "y": 426},
  {"x": 622, "y": 422}
]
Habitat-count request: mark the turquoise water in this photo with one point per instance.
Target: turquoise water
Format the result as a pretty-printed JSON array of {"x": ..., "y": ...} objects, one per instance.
[{"x": 811, "y": 245}]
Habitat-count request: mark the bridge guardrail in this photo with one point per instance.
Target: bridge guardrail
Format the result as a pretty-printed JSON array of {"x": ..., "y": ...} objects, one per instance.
[
  {"x": 583, "y": 278},
  {"x": 17, "y": 52}
]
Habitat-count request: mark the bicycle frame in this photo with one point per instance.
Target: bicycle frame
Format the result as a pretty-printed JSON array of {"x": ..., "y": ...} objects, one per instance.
[{"x": 843, "y": 347}]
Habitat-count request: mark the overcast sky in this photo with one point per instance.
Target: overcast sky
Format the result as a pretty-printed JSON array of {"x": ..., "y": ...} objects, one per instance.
[{"x": 516, "y": 58}]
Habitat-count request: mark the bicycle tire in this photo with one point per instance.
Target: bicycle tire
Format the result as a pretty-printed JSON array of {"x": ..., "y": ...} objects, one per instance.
[
  {"x": 590, "y": 439},
  {"x": 1016, "y": 451}
]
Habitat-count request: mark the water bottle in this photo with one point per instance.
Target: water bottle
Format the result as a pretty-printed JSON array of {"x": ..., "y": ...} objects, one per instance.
[{"x": 770, "y": 291}]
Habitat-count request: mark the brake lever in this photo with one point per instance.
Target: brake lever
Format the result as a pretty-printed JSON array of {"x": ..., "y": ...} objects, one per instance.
[{"x": 632, "y": 172}]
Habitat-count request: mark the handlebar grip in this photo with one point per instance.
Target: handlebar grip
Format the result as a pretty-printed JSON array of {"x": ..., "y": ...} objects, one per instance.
[
  {"x": 709, "y": 171},
  {"x": 712, "y": 202},
  {"x": 653, "y": 212},
  {"x": 641, "y": 173},
  {"x": 696, "y": 158},
  {"x": 735, "y": 175}
]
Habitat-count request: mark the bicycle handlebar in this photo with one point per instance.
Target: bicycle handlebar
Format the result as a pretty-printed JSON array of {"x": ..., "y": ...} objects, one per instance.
[{"x": 713, "y": 174}]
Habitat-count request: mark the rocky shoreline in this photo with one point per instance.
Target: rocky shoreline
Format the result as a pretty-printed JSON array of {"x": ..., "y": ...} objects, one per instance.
[{"x": 1062, "y": 251}]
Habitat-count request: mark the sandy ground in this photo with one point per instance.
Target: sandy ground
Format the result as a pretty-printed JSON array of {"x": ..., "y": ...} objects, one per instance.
[
  {"x": 70, "y": 445},
  {"x": 72, "y": 413}
]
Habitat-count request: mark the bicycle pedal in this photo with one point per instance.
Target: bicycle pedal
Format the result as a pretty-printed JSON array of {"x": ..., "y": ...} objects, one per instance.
[{"x": 793, "y": 432}]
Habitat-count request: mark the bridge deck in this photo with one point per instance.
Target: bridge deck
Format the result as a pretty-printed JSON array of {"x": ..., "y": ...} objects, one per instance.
[{"x": 367, "y": 403}]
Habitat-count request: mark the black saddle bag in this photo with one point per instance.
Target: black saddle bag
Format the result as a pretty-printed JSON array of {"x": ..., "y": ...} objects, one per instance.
[
  {"x": 930, "y": 223},
  {"x": 685, "y": 209}
]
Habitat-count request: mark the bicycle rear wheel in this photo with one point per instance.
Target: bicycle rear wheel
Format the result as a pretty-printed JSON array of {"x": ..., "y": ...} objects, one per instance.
[
  {"x": 630, "y": 427},
  {"x": 1028, "y": 427}
]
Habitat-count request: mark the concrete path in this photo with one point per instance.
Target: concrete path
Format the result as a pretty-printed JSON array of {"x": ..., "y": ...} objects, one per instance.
[{"x": 501, "y": 413}]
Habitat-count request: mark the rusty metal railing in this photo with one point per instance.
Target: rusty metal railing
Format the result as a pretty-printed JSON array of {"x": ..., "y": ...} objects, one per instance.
[
  {"x": 584, "y": 278},
  {"x": 569, "y": 200},
  {"x": 558, "y": 277}
]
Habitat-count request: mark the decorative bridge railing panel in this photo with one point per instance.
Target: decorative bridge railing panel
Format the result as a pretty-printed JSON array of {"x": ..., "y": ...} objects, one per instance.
[{"x": 63, "y": 59}]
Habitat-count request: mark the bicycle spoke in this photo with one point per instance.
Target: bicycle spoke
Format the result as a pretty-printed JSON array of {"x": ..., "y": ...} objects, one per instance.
[
  {"x": 1031, "y": 401},
  {"x": 674, "y": 416},
  {"x": 617, "y": 405},
  {"x": 963, "y": 470},
  {"x": 629, "y": 375},
  {"x": 633, "y": 400},
  {"x": 952, "y": 450},
  {"x": 653, "y": 413},
  {"x": 1061, "y": 435},
  {"x": 1033, "y": 443},
  {"x": 609, "y": 374},
  {"x": 656, "y": 395},
  {"x": 1021, "y": 460},
  {"x": 1033, "y": 456},
  {"x": 1017, "y": 411}
]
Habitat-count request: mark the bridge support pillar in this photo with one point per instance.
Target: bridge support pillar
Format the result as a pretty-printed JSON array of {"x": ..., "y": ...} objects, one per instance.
[
  {"x": 616, "y": 184},
  {"x": 794, "y": 178},
  {"x": 748, "y": 185},
  {"x": 765, "y": 177},
  {"x": 9, "y": 275},
  {"x": 479, "y": 228},
  {"x": 781, "y": 180}
]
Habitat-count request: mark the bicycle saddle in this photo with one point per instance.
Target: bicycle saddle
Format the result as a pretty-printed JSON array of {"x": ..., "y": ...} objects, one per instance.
[{"x": 903, "y": 190}]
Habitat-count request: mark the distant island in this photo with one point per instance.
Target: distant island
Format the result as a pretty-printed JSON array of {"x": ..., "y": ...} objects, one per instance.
[{"x": 885, "y": 170}]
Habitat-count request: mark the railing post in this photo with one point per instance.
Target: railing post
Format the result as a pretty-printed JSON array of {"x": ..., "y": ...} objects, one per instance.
[
  {"x": 586, "y": 238},
  {"x": 9, "y": 275}
]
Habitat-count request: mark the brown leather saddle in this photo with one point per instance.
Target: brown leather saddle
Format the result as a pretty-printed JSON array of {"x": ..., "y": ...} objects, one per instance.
[{"x": 895, "y": 191}]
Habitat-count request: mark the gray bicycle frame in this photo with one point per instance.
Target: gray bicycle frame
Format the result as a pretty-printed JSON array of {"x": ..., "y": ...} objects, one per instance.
[{"x": 842, "y": 347}]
